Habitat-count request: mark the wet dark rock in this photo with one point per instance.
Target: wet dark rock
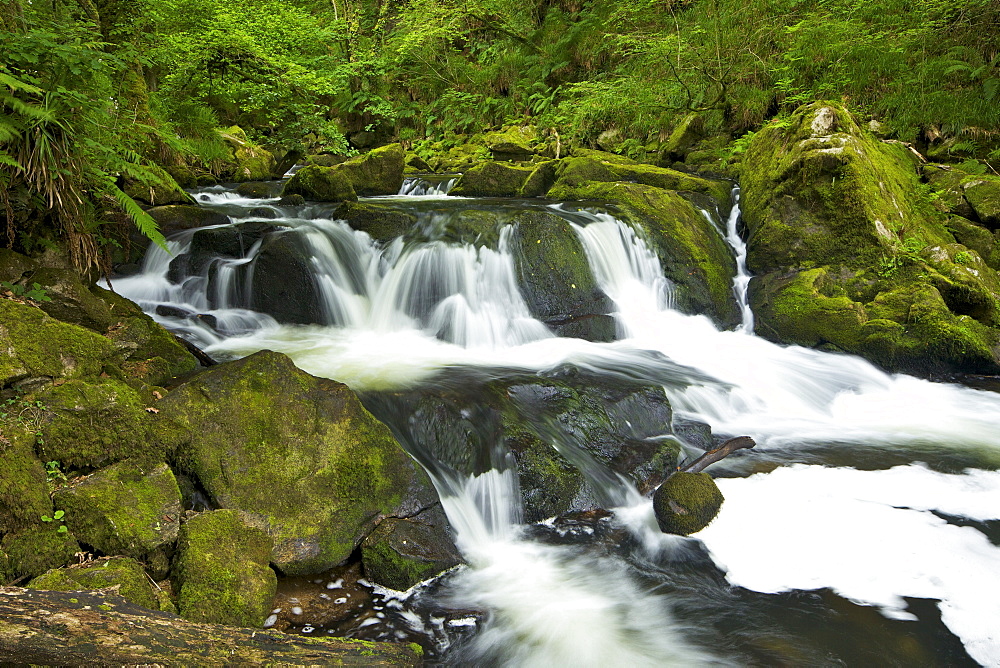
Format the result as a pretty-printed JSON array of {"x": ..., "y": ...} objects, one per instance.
[
  {"x": 259, "y": 189},
  {"x": 399, "y": 553},
  {"x": 262, "y": 212},
  {"x": 177, "y": 217},
  {"x": 283, "y": 284},
  {"x": 382, "y": 223}
]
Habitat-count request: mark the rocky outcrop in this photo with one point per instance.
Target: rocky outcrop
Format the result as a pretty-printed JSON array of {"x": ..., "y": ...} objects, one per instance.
[
  {"x": 122, "y": 572},
  {"x": 399, "y": 553},
  {"x": 298, "y": 455},
  {"x": 320, "y": 184},
  {"x": 378, "y": 172},
  {"x": 851, "y": 255}
]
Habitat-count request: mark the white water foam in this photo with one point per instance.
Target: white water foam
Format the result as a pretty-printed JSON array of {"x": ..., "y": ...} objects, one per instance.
[{"x": 872, "y": 537}]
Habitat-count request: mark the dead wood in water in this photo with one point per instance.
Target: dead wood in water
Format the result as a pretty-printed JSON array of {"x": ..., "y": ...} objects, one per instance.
[
  {"x": 102, "y": 628},
  {"x": 724, "y": 450}
]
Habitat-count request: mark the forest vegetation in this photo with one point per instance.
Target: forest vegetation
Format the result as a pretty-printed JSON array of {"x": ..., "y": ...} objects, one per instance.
[{"x": 100, "y": 95}]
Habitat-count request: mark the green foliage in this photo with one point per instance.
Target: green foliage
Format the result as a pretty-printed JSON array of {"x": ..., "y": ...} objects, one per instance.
[
  {"x": 54, "y": 473},
  {"x": 35, "y": 293},
  {"x": 25, "y": 413},
  {"x": 57, "y": 516}
]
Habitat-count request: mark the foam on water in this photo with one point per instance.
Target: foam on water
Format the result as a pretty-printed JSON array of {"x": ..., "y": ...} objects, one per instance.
[{"x": 873, "y": 537}]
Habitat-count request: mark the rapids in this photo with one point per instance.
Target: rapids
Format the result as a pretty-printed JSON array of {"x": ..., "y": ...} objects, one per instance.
[{"x": 862, "y": 530}]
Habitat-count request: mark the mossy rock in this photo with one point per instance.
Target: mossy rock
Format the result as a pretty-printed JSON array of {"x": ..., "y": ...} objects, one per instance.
[
  {"x": 326, "y": 159},
  {"x": 692, "y": 252},
  {"x": 259, "y": 189},
  {"x": 378, "y": 172},
  {"x": 13, "y": 265},
  {"x": 157, "y": 194},
  {"x": 176, "y": 217},
  {"x": 515, "y": 142},
  {"x": 148, "y": 352},
  {"x": 74, "y": 408},
  {"x": 554, "y": 273},
  {"x": 908, "y": 327},
  {"x": 382, "y": 223},
  {"x": 24, "y": 491},
  {"x": 686, "y": 503},
  {"x": 978, "y": 238},
  {"x": 320, "y": 184},
  {"x": 684, "y": 136},
  {"x": 492, "y": 179},
  {"x": 458, "y": 158},
  {"x": 300, "y": 455},
  {"x": 823, "y": 192},
  {"x": 71, "y": 301},
  {"x": 33, "y": 550},
  {"x": 248, "y": 161},
  {"x": 130, "y": 508},
  {"x": 946, "y": 183},
  {"x": 221, "y": 573},
  {"x": 37, "y": 345},
  {"x": 125, "y": 573},
  {"x": 400, "y": 553},
  {"x": 540, "y": 180},
  {"x": 578, "y": 174},
  {"x": 983, "y": 194}
]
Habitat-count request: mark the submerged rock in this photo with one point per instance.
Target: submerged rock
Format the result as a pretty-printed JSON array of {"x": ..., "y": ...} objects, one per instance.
[
  {"x": 686, "y": 503},
  {"x": 299, "y": 455},
  {"x": 221, "y": 573}
]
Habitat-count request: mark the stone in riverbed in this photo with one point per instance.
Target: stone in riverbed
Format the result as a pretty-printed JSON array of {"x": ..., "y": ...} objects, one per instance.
[
  {"x": 399, "y": 553},
  {"x": 221, "y": 571},
  {"x": 124, "y": 572},
  {"x": 686, "y": 503}
]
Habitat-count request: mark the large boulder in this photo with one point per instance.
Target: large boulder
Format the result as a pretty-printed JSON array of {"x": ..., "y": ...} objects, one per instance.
[
  {"x": 851, "y": 255},
  {"x": 247, "y": 161},
  {"x": 221, "y": 573},
  {"x": 378, "y": 172},
  {"x": 691, "y": 249},
  {"x": 493, "y": 179},
  {"x": 555, "y": 276},
  {"x": 515, "y": 142},
  {"x": 24, "y": 491},
  {"x": 399, "y": 553},
  {"x": 176, "y": 217},
  {"x": 299, "y": 455},
  {"x": 321, "y": 184},
  {"x": 130, "y": 508},
  {"x": 34, "y": 345}
]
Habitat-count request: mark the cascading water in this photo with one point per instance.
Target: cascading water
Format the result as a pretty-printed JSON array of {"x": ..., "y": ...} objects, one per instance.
[{"x": 847, "y": 455}]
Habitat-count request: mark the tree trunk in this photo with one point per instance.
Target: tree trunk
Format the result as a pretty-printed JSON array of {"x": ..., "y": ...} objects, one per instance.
[{"x": 101, "y": 627}]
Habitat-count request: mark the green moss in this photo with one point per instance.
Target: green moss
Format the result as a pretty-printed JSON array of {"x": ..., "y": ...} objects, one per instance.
[
  {"x": 75, "y": 407},
  {"x": 222, "y": 571},
  {"x": 514, "y": 140},
  {"x": 380, "y": 222},
  {"x": 322, "y": 184},
  {"x": 378, "y": 172},
  {"x": 38, "y": 548},
  {"x": 24, "y": 492},
  {"x": 540, "y": 180},
  {"x": 983, "y": 194},
  {"x": 39, "y": 345},
  {"x": 399, "y": 553},
  {"x": 692, "y": 252},
  {"x": 299, "y": 454},
  {"x": 249, "y": 162},
  {"x": 686, "y": 503},
  {"x": 127, "y": 573},
  {"x": 148, "y": 352},
  {"x": 128, "y": 509},
  {"x": 492, "y": 179}
]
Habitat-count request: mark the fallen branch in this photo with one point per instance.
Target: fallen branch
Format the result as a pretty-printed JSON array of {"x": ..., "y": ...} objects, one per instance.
[
  {"x": 724, "y": 450},
  {"x": 101, "y": 627}
]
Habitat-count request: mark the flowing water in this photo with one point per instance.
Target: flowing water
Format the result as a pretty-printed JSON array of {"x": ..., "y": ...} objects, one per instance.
[{"x": 864, "y": 529}]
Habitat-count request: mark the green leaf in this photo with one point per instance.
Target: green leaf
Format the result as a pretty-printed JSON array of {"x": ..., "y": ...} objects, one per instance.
[{"x": 59, "y": 514}]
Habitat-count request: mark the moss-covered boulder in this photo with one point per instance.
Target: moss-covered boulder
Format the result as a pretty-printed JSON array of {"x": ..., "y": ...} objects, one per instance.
[
  {"x": 492, "y": 179},
  {"x": 35, "y": 345},
  {"x": 554, "y": 273},
  {"x": 125, "y": 573},
  {"x": 163, "y": 191},
  {"x": 259, "y": 189},
  {"x": 851, "y": 254},
  {"x": 978, "y": 238},
  {"x": 983, "y": 195},
  {"x": 35, "y": 549},
  {"x": 684, "y": 136},
  {"x": 399, "y": 553},
  {"x": 176, "y": 217},
  {"x": 130, "y": 508},
  {"x": 692, "y": 251},
  {"x": 577, "y": 174},
  {"x": 247, "y": 161},
  {"x": 221, "y": 573},
  {"x": 540, "y": 180},
  {"x": 299, "y": 455},
  {"x": 686, "y": 503},
  {"x": 321, "y": 184},
  {"x": 13, "y": 265},
  {"x": 71, "y": 301},
  {"x": 148, "y": 352},
  {"x": 378, "y": 172}
]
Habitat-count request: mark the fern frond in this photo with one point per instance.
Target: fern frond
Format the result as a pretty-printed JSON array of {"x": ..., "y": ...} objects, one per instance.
[{"x": 143, "y": 221}]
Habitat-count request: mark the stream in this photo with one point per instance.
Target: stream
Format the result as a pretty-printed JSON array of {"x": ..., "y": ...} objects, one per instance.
[{"x": 864, "y": 528}]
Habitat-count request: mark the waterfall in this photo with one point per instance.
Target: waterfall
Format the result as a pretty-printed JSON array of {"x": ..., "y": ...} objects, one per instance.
[
  {"x": 422, "y": 186},
  {"x": 391, "y": 315}
]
